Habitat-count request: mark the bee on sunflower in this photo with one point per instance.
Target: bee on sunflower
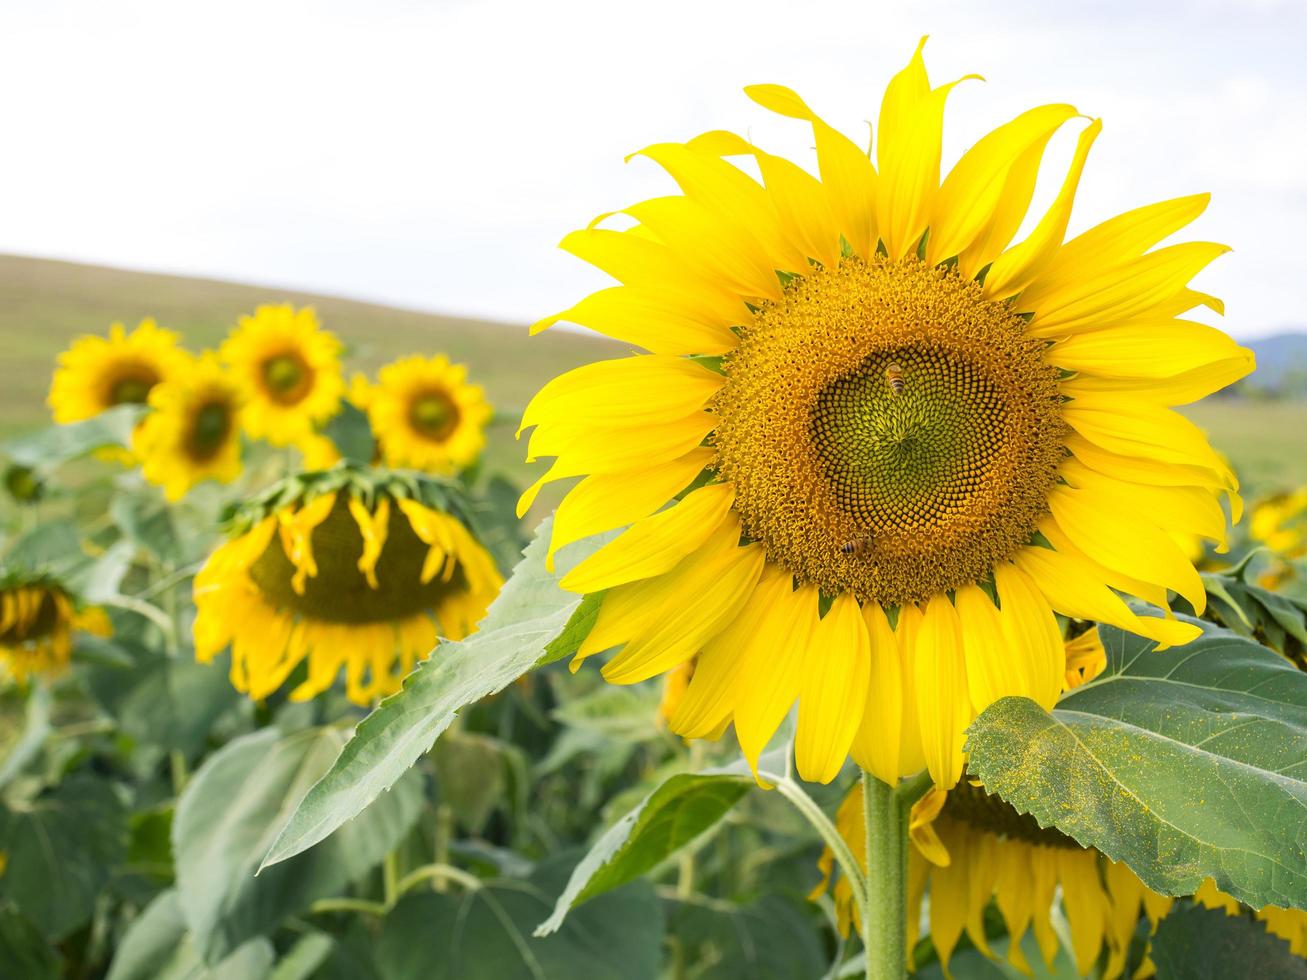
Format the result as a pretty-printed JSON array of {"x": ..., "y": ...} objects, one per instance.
[
  {"x": 350, "y": 570},
  {"x": 38, "y": 617},
  {"x": 874, "y": 445},
  {"x": 192, "y": 432},
  {"x": 97, "y": 373},
  {"x": 289, "y": 372},
  {"x": 427, "y": 416}
]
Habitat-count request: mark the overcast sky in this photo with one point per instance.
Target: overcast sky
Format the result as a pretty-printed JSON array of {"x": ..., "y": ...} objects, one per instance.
[{"x": 432, "y": 154}]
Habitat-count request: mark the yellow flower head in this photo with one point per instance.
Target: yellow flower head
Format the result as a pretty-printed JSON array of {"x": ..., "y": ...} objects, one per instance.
[
  {"x": 37, "y": 620},
  {"x": 289, "y": 371},
  {"x": 1279, "y": 524},
  {"x": 192, "y": 433},
  {"x": 347, "y": 571},
  {"x": 97, "y": 373},
  {"x": 893, "y": 441},
  {"x": 427, "y": 416}
]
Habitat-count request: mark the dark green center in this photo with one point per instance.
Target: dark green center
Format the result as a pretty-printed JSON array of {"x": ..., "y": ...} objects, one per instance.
[
  {"x": 132, "y": 390},
  {"x": 340, "y": 593},
  {"x": 212, "y": 425},
  {"x": 434, "y": 414},
  {"x": 286, "y": 376}
]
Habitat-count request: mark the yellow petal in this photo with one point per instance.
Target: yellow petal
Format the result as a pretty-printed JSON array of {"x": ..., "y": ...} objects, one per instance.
[
  {"x": 834, "y": 691},
  {"x": 986, "y": 195},
  {"x": 648, "y": 318},
  {"x": 1184, "y": 388},
  {"x": 1086, "y": 904},
  {"x": 1016, "y": 268},
  {"x": 921, "y": 827},
  {"x": 943, "y": 703},
  {"x": 772, "y": 672},
  {"x": 373, "y": 528},
  {"x": 609, "y": 500},
  {"x": 876, "y": 744},
  {"x": 655, "y": 544},
  {"x": 1133, "y": 427},
  {"x": 912, "y": 755},
  {"x": 847, "y": 175},
  {"x": 1034, "y": 641},
  {"x": 1145, "y": 349}
]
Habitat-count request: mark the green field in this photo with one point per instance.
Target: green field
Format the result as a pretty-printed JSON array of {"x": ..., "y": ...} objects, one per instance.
[{"x": 44, "y": 304}]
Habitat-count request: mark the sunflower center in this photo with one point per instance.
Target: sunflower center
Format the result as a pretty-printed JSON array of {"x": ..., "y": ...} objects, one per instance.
[
  {"x": 39, "y": 624},
  {"x": 433, "y": 413},
  {"x": 209, "y": 430},
  {"x": 889, "y": 431},
  {"x": 288, "y": 378},
  {"x": 340, "y": 593},
  {"x": 132, "y": 389},
  {"x": 973, "y": 806}
]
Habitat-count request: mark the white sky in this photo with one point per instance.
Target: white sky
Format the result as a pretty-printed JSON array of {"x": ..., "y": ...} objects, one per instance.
[{"x": 432, "y": 154}]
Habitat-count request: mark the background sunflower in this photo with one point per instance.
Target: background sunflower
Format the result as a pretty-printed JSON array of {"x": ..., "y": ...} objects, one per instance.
[
  {"x": 96, "y": 373},
  {"x": 427, "y": 416}
]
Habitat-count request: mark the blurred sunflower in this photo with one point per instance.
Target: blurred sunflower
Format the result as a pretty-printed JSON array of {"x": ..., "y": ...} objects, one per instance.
[
  {"x": 1279, "y": 524},
  {"x": 37, "y": 619},
  {"x": 97, "y": 373},
  {"x": 289, "y": 371},
  {"x": 897, "y": 443},
  {"x": 427, "y": 416},
  {"x": 192, "y": 432},
  {"x": 346, "y": 570}
]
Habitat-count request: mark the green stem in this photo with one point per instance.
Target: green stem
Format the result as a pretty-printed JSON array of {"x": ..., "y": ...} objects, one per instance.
[
  {"x": 348, "y": 905},
  {"x": 444, "y": 836},
  {"x": 180, "y": 775},
  {"x": 830, "y": 836},
  {"x": 885, "y": 914},
  {"x": 438, "y": 873},
  {"x": 390, "y": 879}
]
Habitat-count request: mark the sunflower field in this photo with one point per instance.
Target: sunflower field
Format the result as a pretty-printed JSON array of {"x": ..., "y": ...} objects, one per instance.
[{"x": 874, "y": 613}]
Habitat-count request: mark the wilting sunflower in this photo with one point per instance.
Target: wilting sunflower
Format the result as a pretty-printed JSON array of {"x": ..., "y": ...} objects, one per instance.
[
  {"x": 97, "y": 373},
  {"x": 348, "y": 570},
  {"x": 896, "y": 442},
  {"x": 427, "y": 416},
  {"x": 192, "y": 432},
  {"x": 37, "y": 619},
  {"x": 288, "y": 368}
]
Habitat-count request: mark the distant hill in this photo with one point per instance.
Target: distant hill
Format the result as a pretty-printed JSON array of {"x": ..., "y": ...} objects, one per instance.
[
  {"x": 44, "y": 304},
  {"x": 1278, "y": 357}
]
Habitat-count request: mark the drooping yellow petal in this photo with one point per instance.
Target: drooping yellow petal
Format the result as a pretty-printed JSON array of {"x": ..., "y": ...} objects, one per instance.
[
  {"x": 772, "y": 672},
  {"x": 1086, "y": 904},
  {"x": 373, "y": 528},
  {"x": 1074, "y": 591},
  {"x": 1012, "y": 895},
  {"x": 296, "y": 530},
  {"x": 609, "y": 500},
  {"x": 943, "y": 702},
  {"x": 847, "y": 175},
  {"x": 876, "y": 744},
  {"x": 655, "y": 544},
  {"x": 1016, "y": 268},
  {"x": 985, "y": 196},
  {"x": 921, "y": 827},
  {"x": 833, "y": 696}
]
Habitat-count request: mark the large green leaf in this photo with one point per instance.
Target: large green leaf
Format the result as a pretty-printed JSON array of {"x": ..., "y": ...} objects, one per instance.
[
  {"x": 529, "y": 612},
  {"x": 669, "y": 818},
  {"x": 349, "y": 430},
  {"x": 774, "y": 938},
  {"x": 24, "y": 725},
  {"x": 1196, "y": 943},
  {"x": 62, "y": 848},
  {"x": 158, "y": 947},
  {"x": 57, "y": 444},
  {"x": 485, "y": 934},
  {"x": 24, "y": 952},
  {"x": 1185, "y": 764},
  {"x": 234, "y": 807}
]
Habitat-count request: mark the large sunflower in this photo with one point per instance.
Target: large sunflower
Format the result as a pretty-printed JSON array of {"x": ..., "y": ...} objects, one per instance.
[
  {"x": 344, "y": 570},
  {"x": 427, "y": 416},
  {"x": 896, "y": 443},
  {"x": 192, "y": 433},
  {"x": 37, "y": 619},
  {"x": 97, "y": 373},
  {"x": 289, "y": 370}
]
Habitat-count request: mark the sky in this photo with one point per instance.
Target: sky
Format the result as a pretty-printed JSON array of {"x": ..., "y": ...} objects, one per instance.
[{"x": 432, "y": 154}]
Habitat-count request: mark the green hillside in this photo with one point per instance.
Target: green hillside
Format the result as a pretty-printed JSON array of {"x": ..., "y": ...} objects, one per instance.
[{"x": 44, "y": 304}]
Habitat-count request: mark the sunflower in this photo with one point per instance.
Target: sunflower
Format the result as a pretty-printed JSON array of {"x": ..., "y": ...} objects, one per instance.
[
  {"x": 289, "y": 370},
  {"x": 37, "y": 619},
  {"x": 345, "y": 570},
  {"x": 192, "y": 433},
  {"x": 1279, "y": 524},
  {"x": 896, "y": 443},
  {"x": 427, "y": 416},
  {"x": 97, "y": 373}
]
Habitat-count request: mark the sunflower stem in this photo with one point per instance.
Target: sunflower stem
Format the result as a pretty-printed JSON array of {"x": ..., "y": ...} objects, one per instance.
[{"x": 885, "y": 915}]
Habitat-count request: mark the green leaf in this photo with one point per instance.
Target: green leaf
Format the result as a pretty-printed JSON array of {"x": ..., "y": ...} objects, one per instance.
[
  {"x": 234, "y": 807},
  {"x": 774, "y": 938},
  {"x": 669, "y": 818},
  {"x": 1243, "y": 606},
  {"x": 1185, "y": 764},
  {"x": 583, "y": 620},
  {"x": 24, "y": 725},
  {"x": 51, "y": 546},
  {"x": 62, "y": 849},
  {"x": 1196, "y": 943},
  {"x": 147, "y": 520},
  {"x": 301, "y": 962},
  {"x": 158, "y": 947},
  {"x": 161, "y": 700},
  {"x": 486, "y": 934},
  {"x": 57, "y": 444},
  {"x": 352, "y": 435},
  {"x": 529, "y": 612},
  {"x": 470, "y": 774},
  {"x": 627, "y": 713},
  {"x": 23, "y": 950}
]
